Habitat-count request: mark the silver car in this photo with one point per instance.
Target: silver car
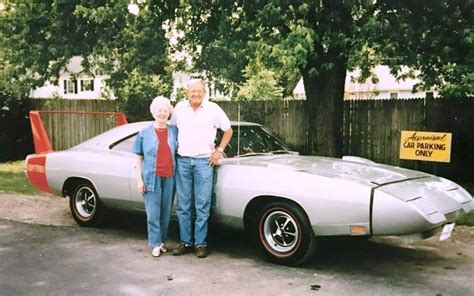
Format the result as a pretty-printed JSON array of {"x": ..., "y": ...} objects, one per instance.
[{"x": 285, "y": 200}]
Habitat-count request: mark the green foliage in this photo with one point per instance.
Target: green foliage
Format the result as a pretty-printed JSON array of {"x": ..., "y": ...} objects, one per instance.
[
  {"x": 8, "y": 84},
  {"x": 181, "y": 94},
  {"x": 40, "y": 37},
  {"x": 260, "y": 85},
  {"x": 138, "y": 91},
  {"x": 467, "y": 219},
  {"x": 15, "y": 131},
  {"x": 434, "y": 37},
  {"x": 321, "y": 40},
  {"x": 316, "y": 40},
  {"x": 311, "y": 39}
]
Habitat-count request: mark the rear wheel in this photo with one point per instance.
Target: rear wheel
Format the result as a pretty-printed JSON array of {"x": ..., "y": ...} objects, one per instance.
[
  {"x": 85, "y": 205},
  {"x": 284, "y": 233}
]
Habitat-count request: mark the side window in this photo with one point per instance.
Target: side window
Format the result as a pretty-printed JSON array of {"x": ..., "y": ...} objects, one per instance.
[
  {"x": 70, "y": 86},
  {"x": 253, "y": 139},
  {"x": 87, "y": 85},
  {"x": 124, "y": 144}
]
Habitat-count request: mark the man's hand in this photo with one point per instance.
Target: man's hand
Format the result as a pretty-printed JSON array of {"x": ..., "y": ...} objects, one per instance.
[
  {"x": 214, "y": 158},
  {"x": 141, "y": 186}
]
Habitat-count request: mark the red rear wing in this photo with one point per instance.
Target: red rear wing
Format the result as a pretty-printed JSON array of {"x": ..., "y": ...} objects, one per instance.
[{"x": 40, "y": 137}]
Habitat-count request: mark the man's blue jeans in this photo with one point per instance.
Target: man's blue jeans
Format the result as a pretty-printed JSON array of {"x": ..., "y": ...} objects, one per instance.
[
  {"x": 193, "y": 175},
  {"x": 158, "y": 210}
]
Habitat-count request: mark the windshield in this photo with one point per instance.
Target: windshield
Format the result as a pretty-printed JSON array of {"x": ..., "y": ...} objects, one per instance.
[{"x": 254, "y": 140}]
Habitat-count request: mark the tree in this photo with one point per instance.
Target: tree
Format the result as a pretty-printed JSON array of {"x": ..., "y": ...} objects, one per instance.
[
  {"x": 260, "y": 84},
  {"x": 325, "y": 38},
  {"x": 434, "y": 37},
  {"x": 40, "y": 37},
  {"x": 319, "y": 39},
  {"x": 137, "y": 93}
]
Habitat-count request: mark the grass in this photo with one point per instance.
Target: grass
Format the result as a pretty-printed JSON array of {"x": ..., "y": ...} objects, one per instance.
[
  {"x": 467, "y": 219},
  {"x": 13, "y": 180}
]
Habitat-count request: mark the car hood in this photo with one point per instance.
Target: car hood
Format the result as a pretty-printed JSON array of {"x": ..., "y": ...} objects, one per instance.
[{"x": 353, "y": 169}]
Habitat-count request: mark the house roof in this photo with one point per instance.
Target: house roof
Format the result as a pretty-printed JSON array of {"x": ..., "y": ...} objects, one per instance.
[{"x": 387, "y": 82}]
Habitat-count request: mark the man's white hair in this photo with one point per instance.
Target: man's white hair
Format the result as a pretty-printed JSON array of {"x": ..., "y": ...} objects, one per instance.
[
  {"x": 160, "y": 101},
  {"x": 197, "y": 81}
]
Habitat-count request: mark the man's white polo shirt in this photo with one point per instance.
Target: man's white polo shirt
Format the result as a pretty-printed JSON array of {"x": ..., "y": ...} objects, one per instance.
[{"x": 197, "y": 129}]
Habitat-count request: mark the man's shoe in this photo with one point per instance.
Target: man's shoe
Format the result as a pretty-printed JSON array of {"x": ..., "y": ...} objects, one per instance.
[
  {"x": 156, "y": 252},
  {"x": 163, "y": 248},
  {"x": 201, "y": 252},
  {"x": 181, "y": 249}
]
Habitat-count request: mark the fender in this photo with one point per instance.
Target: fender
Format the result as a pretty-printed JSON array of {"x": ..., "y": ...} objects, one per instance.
[{"x": 36, "y": 171}]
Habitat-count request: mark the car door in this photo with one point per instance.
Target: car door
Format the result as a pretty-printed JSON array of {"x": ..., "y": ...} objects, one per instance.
[{"x": 124, "y": 148}]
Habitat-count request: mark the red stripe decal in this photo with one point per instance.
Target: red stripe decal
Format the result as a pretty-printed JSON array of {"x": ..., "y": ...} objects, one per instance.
[{"x": 36, "y": 171}]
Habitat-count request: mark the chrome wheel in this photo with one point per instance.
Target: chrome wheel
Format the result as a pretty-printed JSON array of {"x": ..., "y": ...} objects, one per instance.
[
  {"x": 284, "y": 234},
  {"x": 85, "y": 202},
  {"x": 281, "y": 231}
]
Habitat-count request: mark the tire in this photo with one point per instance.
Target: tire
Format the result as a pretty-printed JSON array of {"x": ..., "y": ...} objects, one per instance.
[
  {"x": 291, "y": 245},
  {"x": 85, "y": 205}
]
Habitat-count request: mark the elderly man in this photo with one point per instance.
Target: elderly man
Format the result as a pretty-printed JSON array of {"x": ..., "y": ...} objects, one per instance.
[{"x": 197, "y": 121}]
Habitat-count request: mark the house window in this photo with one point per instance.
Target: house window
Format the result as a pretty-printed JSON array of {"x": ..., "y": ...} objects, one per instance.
[
  {"x": 87, "y": 85},
  {"x": 393, "y": 95},
  {"x": 429, "y": 94},
  {"x": 212, "y": 92},
  {"x": 70, "y": 86}
]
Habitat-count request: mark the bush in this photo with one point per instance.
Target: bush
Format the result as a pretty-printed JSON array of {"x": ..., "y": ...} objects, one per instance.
[{"x": 16, "y": 140}]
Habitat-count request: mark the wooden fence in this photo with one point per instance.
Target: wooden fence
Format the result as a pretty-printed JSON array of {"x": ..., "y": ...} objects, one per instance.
[
  {"x": 286, "y": 119},
  {"x": 68, "y": 130},
  {"x": 371, "y": 128}
]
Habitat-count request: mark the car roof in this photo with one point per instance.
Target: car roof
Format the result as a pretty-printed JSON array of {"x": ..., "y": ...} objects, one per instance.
[
  {"x": 111, "y": 136},
  {"x": 116, "y": 134}
]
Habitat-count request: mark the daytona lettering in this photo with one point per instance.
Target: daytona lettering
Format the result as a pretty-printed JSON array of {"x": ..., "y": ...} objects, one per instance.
[{"x": 35, "y": 168}]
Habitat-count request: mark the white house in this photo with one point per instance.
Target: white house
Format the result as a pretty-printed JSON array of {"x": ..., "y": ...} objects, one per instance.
[
  {"x": 81, "y": 86},
  {"x": 181, "y": 80},
  {"x": 386, "y": 88}
]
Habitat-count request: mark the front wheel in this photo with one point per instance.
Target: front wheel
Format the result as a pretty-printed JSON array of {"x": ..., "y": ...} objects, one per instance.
[
  {"x": 86, "y": 208},
  {"x": 284, "y": 233}
]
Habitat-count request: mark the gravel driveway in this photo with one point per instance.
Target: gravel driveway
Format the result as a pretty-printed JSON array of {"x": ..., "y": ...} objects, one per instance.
[
  {"x": 58, "y": 264},
  {"x": 36, "y": 209}
]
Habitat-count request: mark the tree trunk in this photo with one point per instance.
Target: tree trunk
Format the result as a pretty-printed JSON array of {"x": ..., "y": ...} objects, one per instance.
[
  {"x": 324, "y": 77},
  {"x": 324, "y": 95}
]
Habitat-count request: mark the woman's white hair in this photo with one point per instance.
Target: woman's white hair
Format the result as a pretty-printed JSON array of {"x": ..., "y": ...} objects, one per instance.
[{"x": 160, "y": 101}]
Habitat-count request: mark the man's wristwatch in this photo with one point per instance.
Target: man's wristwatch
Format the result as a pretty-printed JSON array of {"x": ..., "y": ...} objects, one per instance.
[{"x": 220, "y": 149}]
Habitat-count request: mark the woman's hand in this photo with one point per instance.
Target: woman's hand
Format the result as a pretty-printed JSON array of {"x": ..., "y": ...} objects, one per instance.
[{"x": 141, "y": 186}]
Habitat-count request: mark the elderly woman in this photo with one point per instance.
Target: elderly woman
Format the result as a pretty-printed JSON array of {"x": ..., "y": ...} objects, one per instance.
[{"x": 155, "y": 146}]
